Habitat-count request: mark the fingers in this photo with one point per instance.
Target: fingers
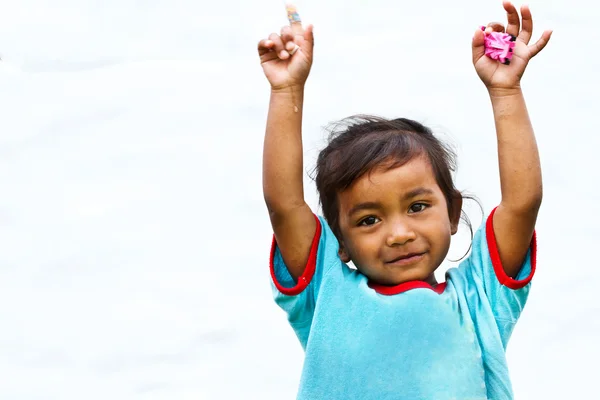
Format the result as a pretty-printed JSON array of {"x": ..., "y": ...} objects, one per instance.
[
  {"x": 494, "y": 27},
  {"x": 265, "y": 51},
  {"x": 527, "y": 23},
  {"x": 294, "y": 18},
  {"x": 538, "y": 46},
  {"x": 512, "y": 15},
  {"x": 278, "y": 46},
  {"x": 264, "y": 47},
  {"x": 282, "y": 45},
  {"x": 478, "y": 45},
  {"x": 291, "y": 39},
  {"x": 287, "y": 35}
]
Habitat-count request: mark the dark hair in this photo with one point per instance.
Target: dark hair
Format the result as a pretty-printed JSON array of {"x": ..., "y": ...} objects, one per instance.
[{"x": 360, "y": 143}]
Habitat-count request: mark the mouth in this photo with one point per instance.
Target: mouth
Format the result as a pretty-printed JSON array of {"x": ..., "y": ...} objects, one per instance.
[{"x": 406, "y": 259}]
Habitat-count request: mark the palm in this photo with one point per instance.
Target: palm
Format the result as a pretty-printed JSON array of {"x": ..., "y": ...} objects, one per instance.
[{"x": 497, "y": 75}]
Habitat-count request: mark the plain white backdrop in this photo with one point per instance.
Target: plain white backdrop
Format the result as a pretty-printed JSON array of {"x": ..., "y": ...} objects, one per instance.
[{"x": 134, "y": 240}]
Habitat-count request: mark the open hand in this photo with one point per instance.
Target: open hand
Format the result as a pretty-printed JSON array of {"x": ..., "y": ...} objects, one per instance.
[
  {"x": 286, "y": 58},
  {"x": 496, "y": 75}
]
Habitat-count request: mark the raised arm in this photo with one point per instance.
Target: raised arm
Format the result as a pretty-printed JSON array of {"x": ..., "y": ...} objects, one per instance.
[
  {"x": 519, "y": 163},
  {"x": 286, "y": 60}
]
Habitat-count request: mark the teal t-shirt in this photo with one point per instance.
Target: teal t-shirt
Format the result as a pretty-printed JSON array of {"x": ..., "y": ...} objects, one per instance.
[{"x": 412, "y": 341}]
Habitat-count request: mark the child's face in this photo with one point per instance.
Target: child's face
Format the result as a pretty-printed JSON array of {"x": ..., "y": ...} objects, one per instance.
[{"x": 395, "y": 225}]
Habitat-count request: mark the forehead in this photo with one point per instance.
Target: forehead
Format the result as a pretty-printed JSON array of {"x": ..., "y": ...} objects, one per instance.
[{"x": 384, "y": 181}]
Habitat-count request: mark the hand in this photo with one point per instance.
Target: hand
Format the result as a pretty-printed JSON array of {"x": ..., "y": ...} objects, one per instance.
[
  {"x": 496, "y": 75},
  {"x": 283, "y": 66}
]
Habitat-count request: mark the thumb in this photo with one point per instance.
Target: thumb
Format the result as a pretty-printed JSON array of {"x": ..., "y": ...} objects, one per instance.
[
  {"x": 309, "y": 36},
  {"x": 478, "y": 45},
  {"x": 540, "y": 44}
]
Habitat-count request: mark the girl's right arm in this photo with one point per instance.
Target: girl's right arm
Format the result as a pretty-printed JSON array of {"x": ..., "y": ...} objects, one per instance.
[{"x": 292, "y": 220}]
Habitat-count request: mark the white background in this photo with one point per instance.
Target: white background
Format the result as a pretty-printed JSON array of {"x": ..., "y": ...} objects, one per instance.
[{"x": 133, "y": 236}]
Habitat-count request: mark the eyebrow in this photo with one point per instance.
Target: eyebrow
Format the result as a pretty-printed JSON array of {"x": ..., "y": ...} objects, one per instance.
[
  {"x": 369, "y": 205},
  {"x": 417, "y": 192},
  {"x": 372, "y": 205}
]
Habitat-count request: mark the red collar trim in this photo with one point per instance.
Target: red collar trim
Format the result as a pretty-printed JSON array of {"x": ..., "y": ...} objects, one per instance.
[{"x": 406, "y": 286}]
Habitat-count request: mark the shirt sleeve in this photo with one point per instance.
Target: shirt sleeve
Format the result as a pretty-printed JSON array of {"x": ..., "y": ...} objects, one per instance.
[
  {"x": 487, "y": 286},
  {"x": 298, "y": 298}
]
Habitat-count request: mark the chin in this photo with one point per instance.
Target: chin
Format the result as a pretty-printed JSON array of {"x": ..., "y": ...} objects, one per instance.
[
  {"x": 395, "y": 276},
  {"x": 408, "y": 277}
]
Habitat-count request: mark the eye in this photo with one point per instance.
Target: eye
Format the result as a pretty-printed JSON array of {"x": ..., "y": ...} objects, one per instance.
[
  {"x": 368, "y": 221},
  {"x": 418, "y": 207}
]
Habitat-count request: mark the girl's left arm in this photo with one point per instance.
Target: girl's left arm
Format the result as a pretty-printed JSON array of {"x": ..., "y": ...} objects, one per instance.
[{"x": 519, "y": 162}]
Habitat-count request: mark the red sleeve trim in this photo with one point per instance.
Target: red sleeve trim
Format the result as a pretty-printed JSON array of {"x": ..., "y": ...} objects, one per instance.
[
  {"x": 309, "y": 270},
  {"x": 495, "y": 256}
]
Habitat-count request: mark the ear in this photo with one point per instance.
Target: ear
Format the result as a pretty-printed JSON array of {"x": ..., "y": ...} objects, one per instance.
[
  {"x": 456, "y": 211},
  {"x": 343, "y": 253}
]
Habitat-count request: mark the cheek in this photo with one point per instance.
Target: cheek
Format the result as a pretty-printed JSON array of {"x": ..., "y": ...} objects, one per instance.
[
  {"x": 439, "y": 230},
  {"x": 443, "y": 236},
  {"x": 443, "y": 221},
  {"x": 437, "y": 227},
  {"x": 364, "y": 246}
]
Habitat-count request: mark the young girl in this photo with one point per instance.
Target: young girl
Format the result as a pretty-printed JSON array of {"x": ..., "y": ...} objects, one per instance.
[{"x": 388, "y": 330}]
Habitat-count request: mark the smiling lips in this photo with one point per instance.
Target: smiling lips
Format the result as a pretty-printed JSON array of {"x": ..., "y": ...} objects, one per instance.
[{"x": 406, "y": 259}]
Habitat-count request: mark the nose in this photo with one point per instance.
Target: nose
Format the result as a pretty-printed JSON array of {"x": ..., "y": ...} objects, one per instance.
[{"x": 400, "y": 232}]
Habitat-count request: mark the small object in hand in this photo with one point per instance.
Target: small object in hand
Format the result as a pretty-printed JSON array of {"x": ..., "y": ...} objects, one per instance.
[
  {"x": 292, "y": 13},
  {"x": 499, "y": 46},
  {"x": 294, "y": 50}
]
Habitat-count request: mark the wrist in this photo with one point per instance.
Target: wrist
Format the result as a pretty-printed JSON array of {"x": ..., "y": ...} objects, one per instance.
[
  {"x": 293, "y": 89},
  {"x": 498, "y": 93},
  {"x": 287, "y": 97}
]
